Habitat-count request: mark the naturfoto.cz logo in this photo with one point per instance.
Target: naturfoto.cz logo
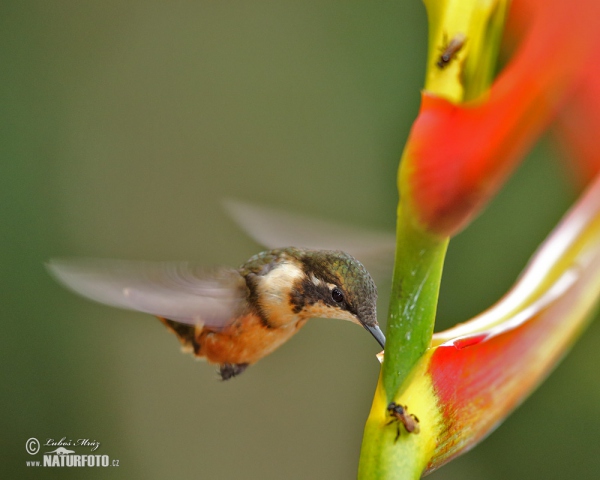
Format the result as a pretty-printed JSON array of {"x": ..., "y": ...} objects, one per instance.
[{"x": 62, "y": 456}]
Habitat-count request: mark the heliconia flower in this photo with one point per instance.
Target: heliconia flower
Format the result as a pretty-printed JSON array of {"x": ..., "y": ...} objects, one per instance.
[
  {"x": 438, "y": 396},
  {"x": 476, "y": 373}
]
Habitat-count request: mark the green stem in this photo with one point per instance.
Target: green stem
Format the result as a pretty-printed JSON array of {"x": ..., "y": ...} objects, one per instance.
[{"x": 415, "y": 288}]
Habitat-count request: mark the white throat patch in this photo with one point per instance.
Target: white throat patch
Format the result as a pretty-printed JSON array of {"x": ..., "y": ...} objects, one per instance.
[{"x": 274, "y": 290}]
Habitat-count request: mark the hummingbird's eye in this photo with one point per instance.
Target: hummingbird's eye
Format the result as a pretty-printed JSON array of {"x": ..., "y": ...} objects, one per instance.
[{"x": 337, "y": 295}]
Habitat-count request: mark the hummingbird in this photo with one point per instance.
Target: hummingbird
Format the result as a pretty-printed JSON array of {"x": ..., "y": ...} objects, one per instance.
[{"x": 233, "y": 317}]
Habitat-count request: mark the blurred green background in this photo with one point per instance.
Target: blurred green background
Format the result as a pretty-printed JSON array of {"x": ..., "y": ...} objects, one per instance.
[{"x": 123, "y": 126}]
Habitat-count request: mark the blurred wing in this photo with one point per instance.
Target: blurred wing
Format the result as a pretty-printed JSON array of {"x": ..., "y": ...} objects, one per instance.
[
  {"x": 177, "y": 291},
  {"x": 275, "y": 228}
]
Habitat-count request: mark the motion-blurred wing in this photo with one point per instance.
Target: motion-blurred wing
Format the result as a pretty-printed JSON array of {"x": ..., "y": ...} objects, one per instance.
[
  {"x": 177, "y": 291},
  {"x": 275, "y": 228}
]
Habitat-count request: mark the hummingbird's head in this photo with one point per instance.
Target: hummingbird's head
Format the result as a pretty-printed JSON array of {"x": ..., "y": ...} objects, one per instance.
[{"x": 336, "y": 285}]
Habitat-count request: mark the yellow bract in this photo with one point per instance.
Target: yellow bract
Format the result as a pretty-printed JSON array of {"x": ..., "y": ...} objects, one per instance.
[
  {"x": 411, "y": 453},
  {"x": 464, "y": 38}
]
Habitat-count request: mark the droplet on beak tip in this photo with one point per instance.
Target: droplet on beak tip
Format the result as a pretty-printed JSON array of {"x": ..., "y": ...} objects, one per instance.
[{"x": 377, "y": 333}]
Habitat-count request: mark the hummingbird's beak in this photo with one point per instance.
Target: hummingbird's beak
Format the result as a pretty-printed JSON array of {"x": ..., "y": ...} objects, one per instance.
[{"x": 377, "y": 333}]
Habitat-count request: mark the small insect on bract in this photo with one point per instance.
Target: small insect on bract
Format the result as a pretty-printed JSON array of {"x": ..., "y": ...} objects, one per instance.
[
  {"x": 450, "y": 49},
  {"x": 399, "y": 414}
]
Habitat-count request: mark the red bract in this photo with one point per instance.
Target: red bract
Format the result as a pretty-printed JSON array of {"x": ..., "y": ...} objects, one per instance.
[
  {"x": 482, "y": 370},
  {"x": 458, "y": 155},
  {"x": 578, "y": 126}
]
